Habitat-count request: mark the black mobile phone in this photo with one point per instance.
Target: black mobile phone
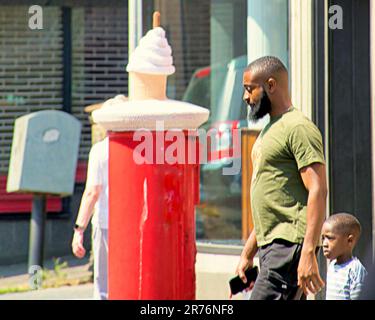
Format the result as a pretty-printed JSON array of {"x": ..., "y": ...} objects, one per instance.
[{"x": 237, "y": 285}]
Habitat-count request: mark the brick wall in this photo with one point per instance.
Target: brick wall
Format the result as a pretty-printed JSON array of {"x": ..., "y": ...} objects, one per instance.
[
  {"x": 31, "y": 79},
  {"x": 31, "y": 65},
  {"x": 31, "y": 69},
  {"x": 99, "y": 57}
]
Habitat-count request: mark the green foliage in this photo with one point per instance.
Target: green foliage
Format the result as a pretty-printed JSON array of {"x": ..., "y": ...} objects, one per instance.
[
  {"x": 14, "y": 289},
  {"x": 51, "y": 278},
  {"x": 59, "y": 267},
  {"x": 57, "y": 273}
]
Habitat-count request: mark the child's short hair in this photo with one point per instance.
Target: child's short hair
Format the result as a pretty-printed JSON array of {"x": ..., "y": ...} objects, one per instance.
[{"x": 345, "y": 223}]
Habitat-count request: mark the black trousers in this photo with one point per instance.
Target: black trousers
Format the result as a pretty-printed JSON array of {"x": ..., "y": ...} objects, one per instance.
[{"x": 277, "y": 278}]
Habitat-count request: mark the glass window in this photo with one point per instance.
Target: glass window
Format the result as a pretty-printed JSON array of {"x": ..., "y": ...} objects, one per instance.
[{"x": 209, "y": 39}]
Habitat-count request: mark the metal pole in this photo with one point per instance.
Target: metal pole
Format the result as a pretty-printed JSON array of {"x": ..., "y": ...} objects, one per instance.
[
  {"x": 135, "y": 27},
  {"x": 37, "y": 223},
  {"x": 135, "y": 24}
]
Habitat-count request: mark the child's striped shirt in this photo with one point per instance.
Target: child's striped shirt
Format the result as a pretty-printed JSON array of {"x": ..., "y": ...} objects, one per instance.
[{"x": 345, "y": 281}]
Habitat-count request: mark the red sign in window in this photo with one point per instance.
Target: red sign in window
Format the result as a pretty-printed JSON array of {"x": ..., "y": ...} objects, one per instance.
[{"x": 22, "y": 202}]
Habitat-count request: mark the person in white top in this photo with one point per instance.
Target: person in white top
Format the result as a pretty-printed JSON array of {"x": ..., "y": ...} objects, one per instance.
[
  {"x": 346, "y": 274},
  {"x": 95, "y": 199}
]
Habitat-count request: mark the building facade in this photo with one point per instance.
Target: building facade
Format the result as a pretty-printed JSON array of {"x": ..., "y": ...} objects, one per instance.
[{"x": 79, "y": 59}]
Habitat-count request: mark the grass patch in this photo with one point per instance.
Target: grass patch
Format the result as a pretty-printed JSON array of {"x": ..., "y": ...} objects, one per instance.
[
  {"x": 51, "y": 283},
  {"x": 54, "y": 278},
  {"x": 17, "y": 289}
]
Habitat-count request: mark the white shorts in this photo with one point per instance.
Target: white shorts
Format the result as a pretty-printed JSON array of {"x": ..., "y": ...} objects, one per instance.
[{"x": 100, "y": 248}]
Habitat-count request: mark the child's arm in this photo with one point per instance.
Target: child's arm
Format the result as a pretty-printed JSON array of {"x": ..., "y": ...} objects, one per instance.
[{"x": 357, "y": 283}]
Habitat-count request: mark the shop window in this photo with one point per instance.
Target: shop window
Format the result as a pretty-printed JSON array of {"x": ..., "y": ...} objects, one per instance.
[{"x": 208, "y": 39}]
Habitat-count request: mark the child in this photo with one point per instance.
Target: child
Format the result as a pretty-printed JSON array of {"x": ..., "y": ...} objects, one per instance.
[{"x": 345, "y": 275}]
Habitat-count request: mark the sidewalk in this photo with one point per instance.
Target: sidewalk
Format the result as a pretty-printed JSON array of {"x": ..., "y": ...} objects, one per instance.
[
  {"x": 213, "y": 271},
  {"x": 80, "y": 292},
  {"x": 70, "y": 282}
]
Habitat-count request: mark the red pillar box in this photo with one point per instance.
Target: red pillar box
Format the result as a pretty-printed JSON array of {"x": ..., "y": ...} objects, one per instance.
[
  {"x": 153, "y": 190},
  {"x": 152, "y": 219},
  {"x": 153, "y": 180}
]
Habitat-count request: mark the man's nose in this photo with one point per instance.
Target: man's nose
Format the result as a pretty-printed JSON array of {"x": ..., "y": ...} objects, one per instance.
[{"x": 246, "y": 97}]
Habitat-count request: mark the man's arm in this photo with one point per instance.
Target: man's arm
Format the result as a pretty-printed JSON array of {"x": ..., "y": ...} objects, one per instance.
[
  {"x": 89, "y": 198},
  {"x": 314, "y": 179},
  {"x": 247, "y": 256}
]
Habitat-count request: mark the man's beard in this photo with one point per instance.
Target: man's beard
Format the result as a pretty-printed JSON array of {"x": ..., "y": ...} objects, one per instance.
[{"x": 259, "y": 110}]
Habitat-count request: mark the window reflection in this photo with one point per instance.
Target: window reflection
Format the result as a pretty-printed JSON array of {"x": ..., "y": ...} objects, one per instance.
[{"x": 209, "y": 43}]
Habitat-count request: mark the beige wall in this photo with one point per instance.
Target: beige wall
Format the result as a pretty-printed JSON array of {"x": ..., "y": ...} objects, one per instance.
[
  {"x": 301, "y": 64},
  {"x": 300, "y": 32}
]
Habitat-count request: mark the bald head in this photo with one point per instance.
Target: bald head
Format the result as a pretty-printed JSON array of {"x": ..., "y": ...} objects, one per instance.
[
  {"x": 345, "y": 223},
  {"x": 267, "y": 67}
]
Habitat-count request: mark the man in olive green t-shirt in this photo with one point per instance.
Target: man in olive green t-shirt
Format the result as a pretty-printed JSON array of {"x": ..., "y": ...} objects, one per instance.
[{"x": 288, "y": 189}]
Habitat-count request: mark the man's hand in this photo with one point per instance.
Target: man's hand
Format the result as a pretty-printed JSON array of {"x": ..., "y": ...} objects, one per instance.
[
  {"x": 246, "y": 259},
  {"x": 77, "y": 244},
  {"x": 308, "y": 274},
  {"x": 243, "y": 265}
]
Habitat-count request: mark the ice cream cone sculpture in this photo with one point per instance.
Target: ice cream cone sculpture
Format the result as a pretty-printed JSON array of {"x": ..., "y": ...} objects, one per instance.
[
  {"x": 153, "y": 184},
  {"x": 149, "y": 67},
  {"x": 150, "y": 64}
]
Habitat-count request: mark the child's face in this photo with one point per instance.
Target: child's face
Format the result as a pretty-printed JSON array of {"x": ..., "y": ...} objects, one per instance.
[{"x": 335, "y": 244}]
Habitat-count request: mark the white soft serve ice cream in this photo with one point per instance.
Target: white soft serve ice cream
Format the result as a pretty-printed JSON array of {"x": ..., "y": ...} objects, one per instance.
[
  {"x": 153, "y": 54},
  {"x": 149, "y": 65}
]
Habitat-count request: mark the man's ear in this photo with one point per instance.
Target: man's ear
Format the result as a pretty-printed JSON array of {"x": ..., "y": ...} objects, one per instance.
[{"x": 271, "y": 85}]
